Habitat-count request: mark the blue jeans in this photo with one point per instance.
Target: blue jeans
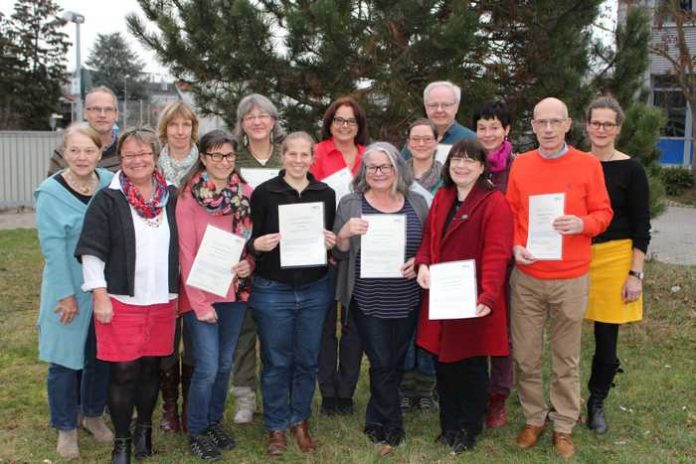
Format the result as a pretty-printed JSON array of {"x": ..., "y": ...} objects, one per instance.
[
  {"x": 213, "y": 350},
  {"x": 385, "y": 342},
  {"x": 290, "y": 321},
  {"x": 70, "y": 390}
]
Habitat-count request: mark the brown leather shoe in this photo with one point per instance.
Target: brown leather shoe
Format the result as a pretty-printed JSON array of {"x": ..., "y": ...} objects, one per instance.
[
  {"x": 169, "y": 384},
  {"x": 304, "y": 440},
  {"x": 563, "y": 444},
  {"x": 276, "y": 443},
  {"x": 529, "y": 436}
]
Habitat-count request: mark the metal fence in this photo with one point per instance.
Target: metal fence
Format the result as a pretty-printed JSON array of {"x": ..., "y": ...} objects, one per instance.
[{"x": 24, "y": 159}]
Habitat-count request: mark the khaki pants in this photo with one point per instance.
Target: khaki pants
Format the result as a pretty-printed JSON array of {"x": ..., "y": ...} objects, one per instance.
[{"x": 565, "y": 301}]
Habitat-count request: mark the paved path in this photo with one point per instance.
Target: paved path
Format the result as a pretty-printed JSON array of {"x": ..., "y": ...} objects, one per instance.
[{"x": 673, "y": 233}]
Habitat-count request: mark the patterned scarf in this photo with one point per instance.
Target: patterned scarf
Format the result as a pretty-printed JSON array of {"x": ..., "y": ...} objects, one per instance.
[
  {"x": 151, "y": 208},
  {"x": 228, "y": 201},
  {"x": 174, "y": 170},
  {"x": 498, "y": 159}
]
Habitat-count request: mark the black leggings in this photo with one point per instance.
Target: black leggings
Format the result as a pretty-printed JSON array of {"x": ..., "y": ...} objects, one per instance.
[
  {"x": 133, "y": 383},
  {"x": 606, "y": 336}
]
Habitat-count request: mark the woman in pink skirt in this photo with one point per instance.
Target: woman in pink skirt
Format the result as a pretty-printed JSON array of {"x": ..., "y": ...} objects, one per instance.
[{"x": 129, "y": 253}]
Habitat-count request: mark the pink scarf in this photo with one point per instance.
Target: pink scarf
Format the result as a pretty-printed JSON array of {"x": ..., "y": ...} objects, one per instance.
[{"x": 498, "y": 159}]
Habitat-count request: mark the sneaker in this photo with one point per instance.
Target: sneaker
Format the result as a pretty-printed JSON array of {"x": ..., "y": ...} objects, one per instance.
[
  {"x": 219, "y": 436},
  {"x": 67, "y": 444},
  {"x": 244, "y": 405},
  {"x": 375, "y": 432},
  {"x": 344, "y": 406},
  {"x": 98, "y": 429},
  {"x": 426, "y": 404},
  {"x": 203, "y": 448},
  {"x": 394, "y": 437},
  {"x": 406, "y": 403}
]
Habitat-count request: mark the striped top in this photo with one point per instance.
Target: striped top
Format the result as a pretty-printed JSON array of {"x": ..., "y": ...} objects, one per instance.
[{"x": 390, "y": 298}]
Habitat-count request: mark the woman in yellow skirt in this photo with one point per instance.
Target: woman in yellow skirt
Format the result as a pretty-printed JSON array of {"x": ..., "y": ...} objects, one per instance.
[{"x": 616, "y": 272}]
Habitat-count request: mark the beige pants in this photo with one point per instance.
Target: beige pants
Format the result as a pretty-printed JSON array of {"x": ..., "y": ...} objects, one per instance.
[{"x": 565, "y": 301}]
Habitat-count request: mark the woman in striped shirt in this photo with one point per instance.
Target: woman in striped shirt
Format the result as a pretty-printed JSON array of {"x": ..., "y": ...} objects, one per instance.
[{"x": 384, "y": 308}]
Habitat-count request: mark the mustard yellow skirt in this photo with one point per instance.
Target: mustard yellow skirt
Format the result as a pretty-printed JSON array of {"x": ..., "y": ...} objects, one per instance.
[{"x": 611, "y": 262}]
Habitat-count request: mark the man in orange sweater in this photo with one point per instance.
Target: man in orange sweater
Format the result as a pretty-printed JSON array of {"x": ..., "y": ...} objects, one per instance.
[{"x": 555, "y": 287}]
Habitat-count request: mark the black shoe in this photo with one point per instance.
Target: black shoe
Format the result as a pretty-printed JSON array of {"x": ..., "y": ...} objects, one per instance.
[
  {"x": 375, "y": 432},
  {"x": 203, "y": 448},
  {"x": 463, "y": 441},
  {"x": 595, "y": 416},
  {"x": 394, "y": 437},
  {"x": 121, "y": 453},
  {"x": 142, "y": 441},
  {"x": 447, "y": 438},
  {"x": 328, "y": 406},
  {"x": 601, "y": 381},
  {"x": 220, "y": 438},
  {"x": 344, "y": 406}
]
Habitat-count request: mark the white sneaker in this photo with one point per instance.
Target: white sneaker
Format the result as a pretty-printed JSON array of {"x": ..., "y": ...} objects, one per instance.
[
  {"x": 98, "y": 429},
  {"x": 67, "y": 444},
  {"x": 244, "y": 404}
]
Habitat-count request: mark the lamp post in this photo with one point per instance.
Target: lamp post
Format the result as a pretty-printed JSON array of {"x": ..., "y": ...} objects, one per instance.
[
  {"x": 78, "y": 19},
  {"x": 125, "y": 101}
]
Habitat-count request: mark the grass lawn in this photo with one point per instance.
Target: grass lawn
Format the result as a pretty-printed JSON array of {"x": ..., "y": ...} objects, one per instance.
[{"x": 652, "y": 410}]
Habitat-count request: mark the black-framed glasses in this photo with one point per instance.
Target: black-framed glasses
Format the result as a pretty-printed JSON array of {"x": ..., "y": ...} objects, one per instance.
[
  {"x": 596, "y": 125},
  {"x": 384, "y": 169},
  {"x": 339, "y": 121},
  {"x": 217, "y": 157}
]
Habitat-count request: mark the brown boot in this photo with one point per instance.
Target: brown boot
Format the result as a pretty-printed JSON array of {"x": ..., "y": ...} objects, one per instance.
[
  {"x": 276, "y": 443},
  {"x": 186, "y": 374},
  {"x": 303, "y": 438},
  {"x": 169, "y": 385}
]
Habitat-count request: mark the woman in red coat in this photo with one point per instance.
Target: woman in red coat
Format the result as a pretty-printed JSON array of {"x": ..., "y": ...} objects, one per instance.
[{"x": 469, "y": 219}]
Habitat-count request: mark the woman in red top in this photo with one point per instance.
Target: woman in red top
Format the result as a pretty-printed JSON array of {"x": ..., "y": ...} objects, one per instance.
[
  {"x": 469, "y": 219},
  {"x": 344, "y": 136}
]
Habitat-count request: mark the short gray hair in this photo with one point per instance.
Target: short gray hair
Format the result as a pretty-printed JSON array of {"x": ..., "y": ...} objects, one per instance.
[
  {"x": 402, "y": 174},
  {"x": 456, "y": 90},
  {"x": 261, "y": 102}
]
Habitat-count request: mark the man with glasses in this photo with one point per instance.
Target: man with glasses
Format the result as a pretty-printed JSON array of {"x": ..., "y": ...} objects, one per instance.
[
  {"x": 441, "y": 100},
  {"x": 101, "y": 112},
  {"x": 551, "y": 273}
]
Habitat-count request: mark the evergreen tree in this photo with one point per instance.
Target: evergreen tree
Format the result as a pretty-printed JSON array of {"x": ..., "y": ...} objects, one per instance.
[
  {"x": 111, "y": 60},
  {"x": 9, "y": 77},
  {"x": 40, "y": 50}
]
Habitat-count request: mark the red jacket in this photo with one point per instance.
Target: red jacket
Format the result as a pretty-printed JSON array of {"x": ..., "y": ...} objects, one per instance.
[{"x": 481, "y": 229}]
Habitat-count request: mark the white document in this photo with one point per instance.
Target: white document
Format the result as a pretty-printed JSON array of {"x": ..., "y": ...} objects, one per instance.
[
  {"x": 257, "y": 176},
  {"x": 443, "y": 150},
  {"x": 340, "y": 181},
  {"x": 301, "y": 227},
  {"x": 453, "y": 290},
  {"x": 212, "y": 269},
  {"x": 419, "y": 189},
  {"x": 383, "y": 247},
  {"x": 543, "y": 242}
]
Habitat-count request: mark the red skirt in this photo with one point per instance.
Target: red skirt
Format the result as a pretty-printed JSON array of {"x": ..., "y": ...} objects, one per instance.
[{"x": 136, "y": 331}]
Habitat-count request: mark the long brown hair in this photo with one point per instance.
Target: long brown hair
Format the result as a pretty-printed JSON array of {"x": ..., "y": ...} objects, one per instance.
[{"x": 362, "y": 136}]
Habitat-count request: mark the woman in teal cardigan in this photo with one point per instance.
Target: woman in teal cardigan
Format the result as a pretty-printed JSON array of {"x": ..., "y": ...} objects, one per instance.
[{"x": 66, "y": 331}]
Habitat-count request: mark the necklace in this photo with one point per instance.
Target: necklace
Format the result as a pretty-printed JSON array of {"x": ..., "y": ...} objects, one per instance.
[
  {"x": 612, "y": 156},
  {"x": 268, "y": 154},
  {"x": 85, "y": 188},
  {"x": 153, "y": 222}
]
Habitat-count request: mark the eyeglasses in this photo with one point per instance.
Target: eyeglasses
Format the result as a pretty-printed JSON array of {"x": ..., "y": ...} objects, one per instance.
[
  {"x": 218, "y": 157},
  {"x": 384, "y": 169},
  {"x": 424, "y": 139},
  {"x": 134, "y": 156},
  {"x": 443, "y": 105},
  {"x": 458, "y": 161},
  {"x": 544, "y": 123},
  {"x": 257, "y": 117},
  {"x": 596, "y": 125},
  {"x": 101, "y": 109},
  {"x": 75, "y": 151},
  {"x": 339, "y": 121}
]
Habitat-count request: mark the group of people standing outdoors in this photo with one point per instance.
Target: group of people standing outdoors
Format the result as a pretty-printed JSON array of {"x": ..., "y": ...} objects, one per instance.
[{"x": 122, "y": 220}]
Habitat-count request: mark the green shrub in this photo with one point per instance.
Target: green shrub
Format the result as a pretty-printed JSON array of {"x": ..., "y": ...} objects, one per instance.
[{"x": 677, "y": 180}]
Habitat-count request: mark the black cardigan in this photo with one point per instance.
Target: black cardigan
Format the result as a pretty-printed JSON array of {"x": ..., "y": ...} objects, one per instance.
[
  {"x": 108, "y": 233},
  {"x": 264, "y": 213}
]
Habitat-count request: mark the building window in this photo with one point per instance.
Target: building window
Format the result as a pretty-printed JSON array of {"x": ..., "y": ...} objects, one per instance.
[{"x": 671, "y": 99}]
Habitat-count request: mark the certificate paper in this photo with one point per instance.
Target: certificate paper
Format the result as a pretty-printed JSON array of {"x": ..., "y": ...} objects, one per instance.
[
  {"x": 453, "y": 290},
  {"x": 383, "y": 247},
  {"x": 443, "y": 150},
  {"x": 543, "y": 242},
  {"x": 340, "y": 182},
  {"x": 212, "y": 269},
  {"x": 419, "y": 189},
  {"x": 301, "y": 227},
  {"x": 257, "y": 176}
]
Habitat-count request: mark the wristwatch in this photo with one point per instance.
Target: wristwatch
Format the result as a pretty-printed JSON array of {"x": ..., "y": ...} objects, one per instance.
[{"x": 637, "y": 274}]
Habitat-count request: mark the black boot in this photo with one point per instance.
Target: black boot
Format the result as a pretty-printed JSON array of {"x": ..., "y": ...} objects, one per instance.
[
  {"x": 142, "y": 441},
  {"x": 121, "y": 453},
  {"x": 599, "y": 385}
]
